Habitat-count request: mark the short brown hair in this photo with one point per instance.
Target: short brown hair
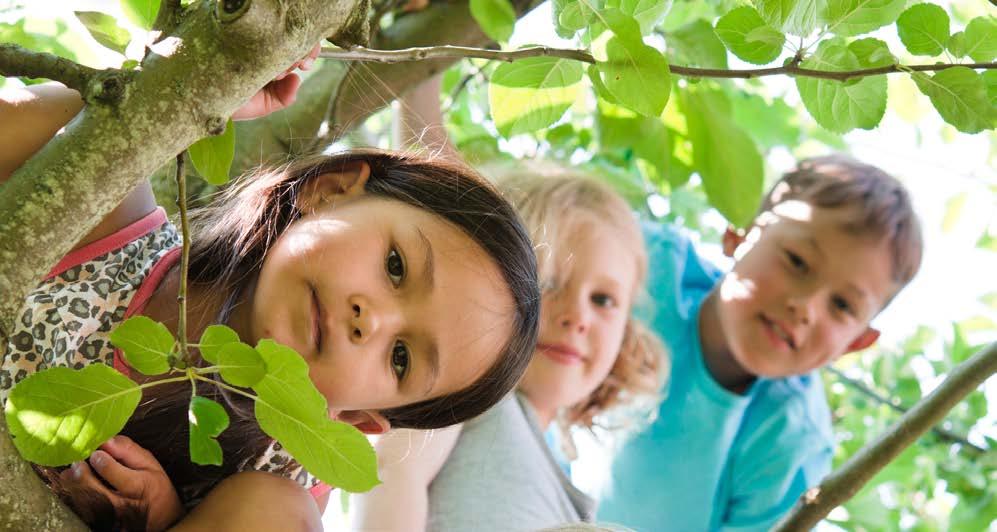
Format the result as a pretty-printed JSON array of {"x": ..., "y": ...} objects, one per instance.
[{"x": 881, "y": 204}]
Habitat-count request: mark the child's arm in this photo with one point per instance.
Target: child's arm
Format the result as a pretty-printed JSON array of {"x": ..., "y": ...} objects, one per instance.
[
  {"x": 420, "y": 121},
  {"x": 409, "y": 461}
]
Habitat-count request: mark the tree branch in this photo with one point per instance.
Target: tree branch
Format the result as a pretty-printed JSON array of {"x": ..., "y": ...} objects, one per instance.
[
  {"x": 168, "y": 18},
  {"x": 18, "y": 61},
  {"x": 439, "y": 52},
  {"x": 841, "y": 484},
  {"x": 946, "y": 435}
]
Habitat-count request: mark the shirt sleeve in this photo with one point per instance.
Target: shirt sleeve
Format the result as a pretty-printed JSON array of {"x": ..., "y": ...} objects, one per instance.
[{"x": 780, "y": 453}]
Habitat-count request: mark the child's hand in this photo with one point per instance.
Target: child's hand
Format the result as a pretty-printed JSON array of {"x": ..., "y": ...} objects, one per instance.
[
  {"x": 133, "y": 481},
  {"x": 279, "y": 93}
]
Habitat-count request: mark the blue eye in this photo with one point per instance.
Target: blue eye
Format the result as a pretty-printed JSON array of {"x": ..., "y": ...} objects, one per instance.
[
  {"x": 395, "y": 266},
  {"x": 399, "y": 360},
  {"x": 603, "y": 300}
]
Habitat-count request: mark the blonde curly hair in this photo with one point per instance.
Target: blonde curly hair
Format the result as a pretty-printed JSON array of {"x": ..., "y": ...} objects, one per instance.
[{"x": 553, "y": 202}]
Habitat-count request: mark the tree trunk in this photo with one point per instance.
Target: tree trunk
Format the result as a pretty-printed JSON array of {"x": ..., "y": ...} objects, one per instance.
[{"x": 189, "y": 84}]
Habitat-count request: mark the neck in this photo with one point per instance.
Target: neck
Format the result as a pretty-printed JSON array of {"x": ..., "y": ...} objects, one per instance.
[
  {"x": 544, "y": 415},
  {"x": 719, "y": 360}
]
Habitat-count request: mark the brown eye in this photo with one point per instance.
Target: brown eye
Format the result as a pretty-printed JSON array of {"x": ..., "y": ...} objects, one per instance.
[
  {"x": 603, "y": 300},
  {"x": 797, "y": 262},
  {"x": 395, "y": 266},
  {"x": 399, "y": 360}
]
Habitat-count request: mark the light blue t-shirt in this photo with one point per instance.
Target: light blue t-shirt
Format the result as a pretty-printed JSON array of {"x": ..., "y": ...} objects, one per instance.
[{"x": 713, "y": 460}]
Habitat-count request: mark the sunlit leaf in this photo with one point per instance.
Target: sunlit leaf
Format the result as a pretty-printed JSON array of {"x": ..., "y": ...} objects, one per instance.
[
  {"x": 497, "y": 18},
  {"x": 769, "y": 122},
  {"x": 145, "y": 344},
  {"x": 855, "y": 17},
  {"x": 698, "y": 44},
  {"x": 636, "y": 74},
  {"x": 142, "y": 13},
  {"x": 105, "y": 30},
  {"x": 240, "y": 364},
  {"x": 748, "y": 36},
  {"x": 292, "y": 411},
  {"x": 207, "y": 420},
  {"x": 797, "y": 17},
  {"x": 213, "y": 339},
  {"x": 647, "y": 13},
  {"x": 960, "y": 96},
  {"x": 531, "y": 94},
  {"x": 981, "y": 39},
  {"x": 924, "y": 29},
  {"x": 573, "y": 15},
  {"x": 212, "y": 156},
  {"x": 52, "y": 427},
  {"x": 836, "y": 105},
  {"x": 725, "y": 156},
  {"x": 957, "y": 44}
]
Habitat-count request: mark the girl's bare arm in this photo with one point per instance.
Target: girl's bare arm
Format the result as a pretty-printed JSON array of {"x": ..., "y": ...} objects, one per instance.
[{"x": 409, "y": 461}]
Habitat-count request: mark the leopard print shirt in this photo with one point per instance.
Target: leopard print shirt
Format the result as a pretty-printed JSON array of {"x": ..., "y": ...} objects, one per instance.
[{"x": 67, "y": 319}]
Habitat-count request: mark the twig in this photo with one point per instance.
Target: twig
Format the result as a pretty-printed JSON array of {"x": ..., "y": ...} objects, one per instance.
[
  {"x": 875, "y": 396},
  {"x": 184, "y": 259},
  {"x": 360, "y": 53},
  {"x": 168, "y": 17},
  {"x": 18, "y": 61},
  {"x": 841, "y": 484}
]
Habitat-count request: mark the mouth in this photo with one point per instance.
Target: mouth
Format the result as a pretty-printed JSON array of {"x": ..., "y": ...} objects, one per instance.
[
  {"x": 778, "y": 332},
  {"x": 316, "y": 323},
  {"x": 560, "y": 353}
]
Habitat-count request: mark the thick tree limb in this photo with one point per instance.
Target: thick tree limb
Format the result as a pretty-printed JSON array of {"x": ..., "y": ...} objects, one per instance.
[
  {"x": 18, "y": 61},
  {"x": 439, "y": 52},
  {"x": 841, "y": 484},
  {"x": 190, "y": 83}
]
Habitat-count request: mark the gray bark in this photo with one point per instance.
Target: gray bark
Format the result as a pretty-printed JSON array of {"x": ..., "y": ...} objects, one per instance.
[{"x": 190, "y": 83}]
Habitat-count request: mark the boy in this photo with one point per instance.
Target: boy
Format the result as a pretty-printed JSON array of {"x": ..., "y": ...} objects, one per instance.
[{"x": 744, "y": 429}]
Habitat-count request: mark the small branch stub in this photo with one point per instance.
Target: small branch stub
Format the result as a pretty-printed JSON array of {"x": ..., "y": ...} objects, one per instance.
[{"x": 229, "y": 10}]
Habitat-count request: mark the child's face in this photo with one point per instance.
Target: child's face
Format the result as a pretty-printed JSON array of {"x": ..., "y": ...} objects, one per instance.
[
  {"x": 802, "y": 290},
  {"x": 582, "y": 318},
  {"x": 388, "y": 304}
]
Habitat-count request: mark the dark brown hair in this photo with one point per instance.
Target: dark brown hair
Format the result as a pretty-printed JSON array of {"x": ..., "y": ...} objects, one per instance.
[
  {"x": 880, "y": 203},
  {"x": 231, "y": 237}
]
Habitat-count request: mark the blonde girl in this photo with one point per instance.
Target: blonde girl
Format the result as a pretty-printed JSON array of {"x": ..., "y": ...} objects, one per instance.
[
  {"x": 496, "y": 472},
  {"x": 407, "y": 285}
]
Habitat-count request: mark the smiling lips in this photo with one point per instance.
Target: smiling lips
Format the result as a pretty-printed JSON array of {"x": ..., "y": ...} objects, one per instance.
[
  {"x": 560, "y": 353},
  {"x": 778, "y": 333}
]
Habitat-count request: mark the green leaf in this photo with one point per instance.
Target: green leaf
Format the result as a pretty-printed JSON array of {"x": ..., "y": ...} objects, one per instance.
[
  {"x": 531, "y": 94},
  {"x": 748, "y": 36},
  {"x": 871, "y": 52},
  {"x": 770, "y": 122},
  {"x": 145, "y": 344},
  {"x": 51, "y": 427},
  {"x": 957, "y": 44},
  {"x": 105, "y": 30},
  {"x": 240, "y": 364},
  {"x": 698, "y": 44},
  {"x": 724, "y": 155},
  {"x": 292, "y": 411},
  {"x": 142, "y": 13},
  {"x": 838, "y": 106},
  {"x": 647, "y": 13},
  {"x": 797, "y": 17},
  {"x": 990, "y": 299},
  {"x": 634, "y": 73},
  {"x": 573, "y": 15},
  {"x": 960, "y": 96},
  {"x": 212, "y": 156},
  {"x": 207, "y": 420},
  {"x": 924, "y": 29},
  {"x": 981, "y": 39},
  {"x": 496, "y": 17},
  {"x": 213, "y": 339},
  {"x": 855, "y": 17},
  {"x": 600, "y": 89}
]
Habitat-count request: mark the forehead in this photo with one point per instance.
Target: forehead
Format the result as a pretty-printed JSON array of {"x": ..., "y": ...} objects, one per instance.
[{"x": 848, "y": 256}]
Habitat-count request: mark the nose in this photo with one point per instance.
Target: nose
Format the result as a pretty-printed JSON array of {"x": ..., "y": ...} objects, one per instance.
[
  {"x": 367, "y": 321},
  {"x": 801, "y": 307},
  {"x": 572, "y": 313}
]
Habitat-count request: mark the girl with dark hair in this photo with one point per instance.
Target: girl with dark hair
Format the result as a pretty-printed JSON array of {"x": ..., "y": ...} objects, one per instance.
[{"x": 408, "y": 285}]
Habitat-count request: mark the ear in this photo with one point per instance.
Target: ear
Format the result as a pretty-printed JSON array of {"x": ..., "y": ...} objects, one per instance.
[
  {"x": 366, "y": 421},
  {"x": 864, "y": 340},
  {"x": 731, "y": 239},
  {"x": 347, "y": 181}
]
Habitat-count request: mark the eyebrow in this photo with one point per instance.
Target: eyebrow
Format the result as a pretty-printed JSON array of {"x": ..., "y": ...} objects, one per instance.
[
  {"x": 813, "y": 243},
  {"x": 427, "y": 269},
  {"x": 433, "y": 357}
]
